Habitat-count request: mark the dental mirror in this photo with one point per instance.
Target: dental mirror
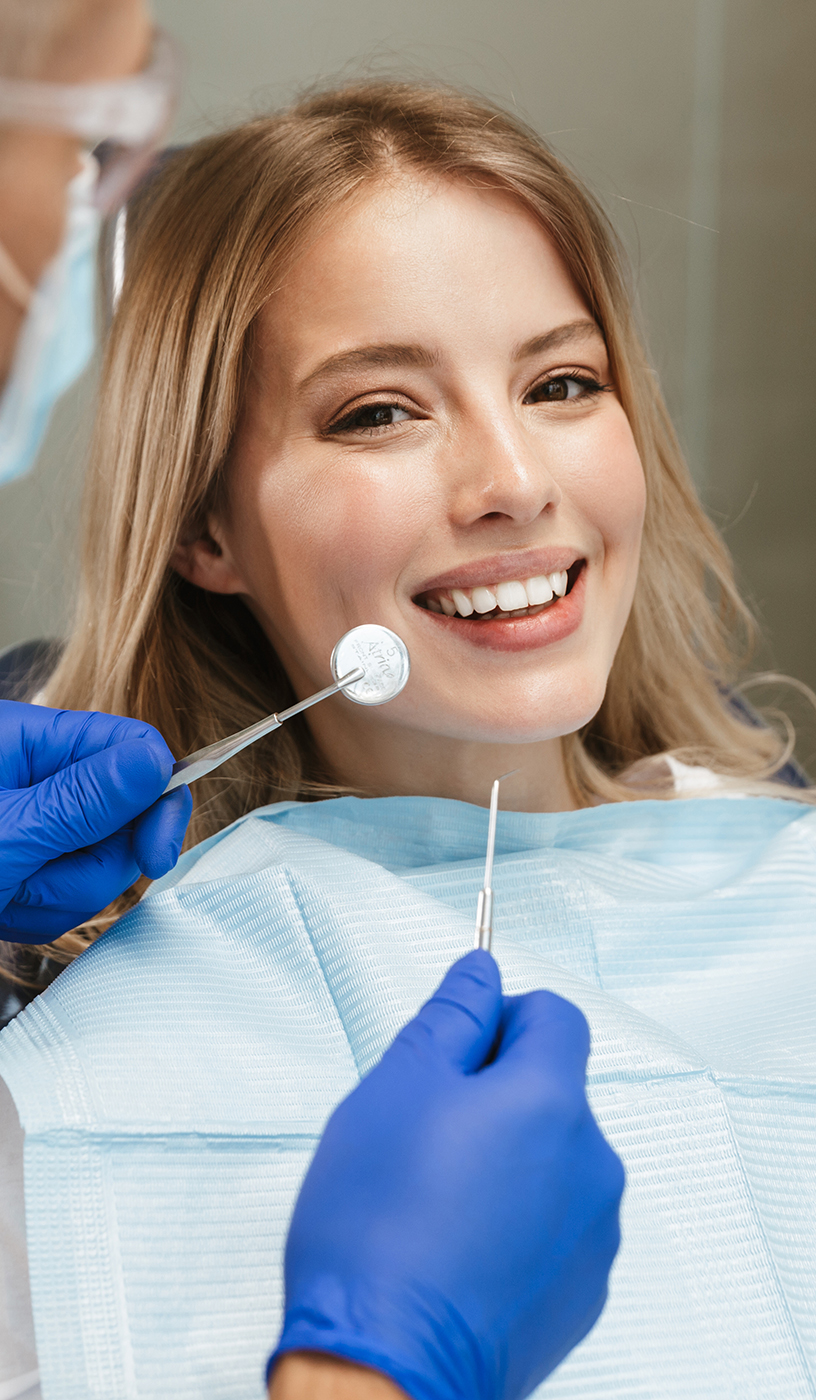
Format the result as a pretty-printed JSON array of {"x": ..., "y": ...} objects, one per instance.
[
  {"x": 383, "y": 657},
  {"x": 370, "y": 665}
]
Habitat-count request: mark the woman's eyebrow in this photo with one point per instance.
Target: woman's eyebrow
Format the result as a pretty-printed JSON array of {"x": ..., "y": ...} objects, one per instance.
[
  {"x": 554, "y": 339},
  {"x": 372, "y": 356},
  {"x": 418, "y": 357}
]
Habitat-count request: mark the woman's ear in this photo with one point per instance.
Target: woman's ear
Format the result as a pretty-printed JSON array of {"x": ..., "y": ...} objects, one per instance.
[{"x": 205, "y": 559}]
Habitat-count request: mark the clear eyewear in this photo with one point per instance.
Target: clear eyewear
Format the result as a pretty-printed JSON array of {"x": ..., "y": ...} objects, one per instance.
[{"x": 124, "y": 121}]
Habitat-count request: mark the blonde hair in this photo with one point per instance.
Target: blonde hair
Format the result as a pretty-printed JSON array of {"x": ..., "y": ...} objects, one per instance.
[{"x": 209, "y": 241}]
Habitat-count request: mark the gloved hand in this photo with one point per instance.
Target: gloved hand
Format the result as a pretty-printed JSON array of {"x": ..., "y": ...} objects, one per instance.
[
  {"x": 459, "y": 1219},
  {"x": 79, "y": 817}
]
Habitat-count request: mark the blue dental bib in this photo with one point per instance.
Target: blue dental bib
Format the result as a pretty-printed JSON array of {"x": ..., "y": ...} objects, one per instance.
[{"x": 174, "y": 1081}]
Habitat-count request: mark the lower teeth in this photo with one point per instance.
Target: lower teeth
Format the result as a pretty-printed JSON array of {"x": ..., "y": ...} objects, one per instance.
[{"x": 498, "y": 616}]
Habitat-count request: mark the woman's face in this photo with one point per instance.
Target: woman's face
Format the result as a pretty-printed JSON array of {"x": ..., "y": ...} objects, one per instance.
[{"x": 430, "y": 440}]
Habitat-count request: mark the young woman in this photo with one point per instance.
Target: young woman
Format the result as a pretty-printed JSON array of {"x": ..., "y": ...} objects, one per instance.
[{"x": 374, "y": 360}]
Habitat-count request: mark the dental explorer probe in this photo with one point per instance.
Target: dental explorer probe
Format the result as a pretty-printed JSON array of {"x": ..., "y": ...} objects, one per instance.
[
  {"x": 484, "y": 907},
  {"x": 381, "y": 670}
]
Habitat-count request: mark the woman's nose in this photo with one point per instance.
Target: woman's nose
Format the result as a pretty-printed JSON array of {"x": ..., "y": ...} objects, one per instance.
[{"x": 501, "y": 473}]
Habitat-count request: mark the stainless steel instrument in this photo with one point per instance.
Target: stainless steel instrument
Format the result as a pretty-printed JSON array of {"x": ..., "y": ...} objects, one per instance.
[
  {"x": 370, "y": 665},
  {"x": 484, "y": 907}
]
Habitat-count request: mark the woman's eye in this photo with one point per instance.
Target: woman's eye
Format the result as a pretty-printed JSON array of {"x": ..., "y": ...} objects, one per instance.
[
  {"x": 563, "y": 387},
  {"x": 371, "y": 416}
]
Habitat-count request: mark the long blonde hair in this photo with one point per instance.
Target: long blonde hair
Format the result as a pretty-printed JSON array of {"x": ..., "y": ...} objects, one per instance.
[{"x": 209, "y": 240}]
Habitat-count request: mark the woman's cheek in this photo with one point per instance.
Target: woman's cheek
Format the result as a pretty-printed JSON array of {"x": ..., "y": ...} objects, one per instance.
[
  {"x": 613, "y": 487},
  {"x": 367, "y": 523}
]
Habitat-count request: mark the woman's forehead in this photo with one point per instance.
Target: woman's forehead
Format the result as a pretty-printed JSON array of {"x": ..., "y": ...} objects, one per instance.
[{"x": 420, "y": 261}]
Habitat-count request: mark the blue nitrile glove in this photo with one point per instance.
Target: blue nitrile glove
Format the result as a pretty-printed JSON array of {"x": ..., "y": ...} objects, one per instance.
[
  {"x": 456, "y": 1227},
  {"x": 79, "y": 819}
]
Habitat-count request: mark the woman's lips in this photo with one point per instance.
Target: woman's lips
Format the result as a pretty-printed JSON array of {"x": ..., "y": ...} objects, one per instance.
[{"x": 559, "y": 619}]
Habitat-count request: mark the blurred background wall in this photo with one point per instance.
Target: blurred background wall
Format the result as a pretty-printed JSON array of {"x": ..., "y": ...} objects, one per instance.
[{"x": 692, "y": 120}]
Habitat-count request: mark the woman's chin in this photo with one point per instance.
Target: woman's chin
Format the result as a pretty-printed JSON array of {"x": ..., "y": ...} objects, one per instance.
[{"x": 518, "y": 720}]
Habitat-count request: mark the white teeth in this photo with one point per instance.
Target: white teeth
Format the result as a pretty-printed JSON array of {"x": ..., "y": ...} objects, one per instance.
[
  {"x": 463, "y": 604},
  {"x": 483, "y": 600},
  {"x": 538, "y": 590},
  {"x": 510, "y": 599},
  {"x": 511, "y": 596}
]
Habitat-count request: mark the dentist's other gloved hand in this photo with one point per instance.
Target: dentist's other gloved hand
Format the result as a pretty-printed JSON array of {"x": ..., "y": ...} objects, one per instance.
[
  {"x": 79, "y": 815},
  {"x": 456, "y": 1227}
]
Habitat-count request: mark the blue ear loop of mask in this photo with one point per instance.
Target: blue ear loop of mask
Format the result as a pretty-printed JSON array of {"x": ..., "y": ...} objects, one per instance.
[{"x": 57, "y": 338}]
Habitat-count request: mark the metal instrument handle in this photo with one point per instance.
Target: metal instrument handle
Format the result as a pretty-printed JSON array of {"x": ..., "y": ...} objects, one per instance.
[{"x": 203, "y": 761}]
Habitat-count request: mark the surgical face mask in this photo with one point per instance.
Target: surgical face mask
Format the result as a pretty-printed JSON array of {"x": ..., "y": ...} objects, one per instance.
[
  {"x": 125, "y": 121},
  {"x": 57, "y": 338}
]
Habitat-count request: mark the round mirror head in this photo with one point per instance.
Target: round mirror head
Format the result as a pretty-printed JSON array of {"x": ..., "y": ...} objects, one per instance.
[{"x": 384, "y": 658}]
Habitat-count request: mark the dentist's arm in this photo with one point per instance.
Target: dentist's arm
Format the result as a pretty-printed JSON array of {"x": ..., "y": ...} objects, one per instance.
[
  {"x": 311, "y": 1376},
  {"x": 456, "y": 1227}
]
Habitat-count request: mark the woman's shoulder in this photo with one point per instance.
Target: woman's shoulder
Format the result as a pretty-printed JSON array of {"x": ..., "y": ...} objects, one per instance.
[{"x": 665, "y": 775}]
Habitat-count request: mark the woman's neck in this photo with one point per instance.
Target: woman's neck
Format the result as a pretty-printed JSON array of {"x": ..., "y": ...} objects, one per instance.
[{"x": 384, "y": 760}]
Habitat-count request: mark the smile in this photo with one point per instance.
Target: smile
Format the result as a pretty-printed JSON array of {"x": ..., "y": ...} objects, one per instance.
[{"x": 506, "y": 601}]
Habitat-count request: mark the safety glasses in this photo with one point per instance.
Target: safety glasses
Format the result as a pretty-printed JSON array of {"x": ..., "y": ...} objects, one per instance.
[{"x": 123, "y": 122}]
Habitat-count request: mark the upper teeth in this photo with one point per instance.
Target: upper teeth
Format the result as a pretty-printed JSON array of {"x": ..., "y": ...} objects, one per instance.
[{"x": 514, "y": 596}]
